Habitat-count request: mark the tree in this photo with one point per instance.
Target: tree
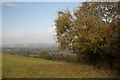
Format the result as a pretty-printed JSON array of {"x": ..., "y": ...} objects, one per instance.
[{"x": 93, "y": 28}]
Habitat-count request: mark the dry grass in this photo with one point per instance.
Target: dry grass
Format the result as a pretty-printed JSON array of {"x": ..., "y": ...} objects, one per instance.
[
  {"x": 0, "y": 65},
  {"x": 27, "y": 67}
]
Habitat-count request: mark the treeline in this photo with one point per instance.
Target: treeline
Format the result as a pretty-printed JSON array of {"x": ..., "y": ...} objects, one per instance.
[
  {"x": 62, "y": 56},
  {"x": 27, "y": 51},
  {"x": 92, "y": 32}
]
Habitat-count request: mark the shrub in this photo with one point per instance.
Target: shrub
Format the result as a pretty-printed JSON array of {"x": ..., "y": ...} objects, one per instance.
[
  {"x": 59, "y": 57},
  {"x": 44, "y": 55},
  {"x": 71, "y": 57}
]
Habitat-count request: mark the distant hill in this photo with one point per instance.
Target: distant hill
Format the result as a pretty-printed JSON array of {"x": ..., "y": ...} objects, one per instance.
[
  {"x": 31, "y": 45},
  {"x": 30, "y": 49}
]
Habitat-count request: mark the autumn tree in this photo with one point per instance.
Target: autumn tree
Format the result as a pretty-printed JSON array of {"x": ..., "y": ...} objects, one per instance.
[{"x": 93, "y": 29}]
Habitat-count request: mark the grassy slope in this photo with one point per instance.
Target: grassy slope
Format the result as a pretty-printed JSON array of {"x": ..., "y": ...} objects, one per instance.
[
  {"x": 27, "y": 67},
  {"x": 0, "y": 65}
]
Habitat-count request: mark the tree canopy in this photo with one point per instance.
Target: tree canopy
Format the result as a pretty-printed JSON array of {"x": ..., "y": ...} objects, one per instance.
[{"x": 93, "y": 28}]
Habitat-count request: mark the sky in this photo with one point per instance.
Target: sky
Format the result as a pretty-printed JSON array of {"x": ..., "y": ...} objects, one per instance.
[
  {"x": 31, "y": 22},
  {"x": 0, "y": 25}
]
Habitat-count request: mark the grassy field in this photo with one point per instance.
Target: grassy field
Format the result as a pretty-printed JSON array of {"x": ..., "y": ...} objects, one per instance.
[
  {"x": 0, "y": 65},
  {"x": 15, "y": 66}
]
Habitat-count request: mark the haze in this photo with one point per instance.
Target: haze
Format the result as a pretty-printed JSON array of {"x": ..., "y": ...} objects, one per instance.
[{"x": 31, "y": 22}]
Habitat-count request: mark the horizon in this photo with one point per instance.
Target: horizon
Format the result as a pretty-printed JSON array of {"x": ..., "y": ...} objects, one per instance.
[{"x": 28, "y": 43}]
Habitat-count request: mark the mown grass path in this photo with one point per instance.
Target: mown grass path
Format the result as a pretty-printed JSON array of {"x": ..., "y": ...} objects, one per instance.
[{"x": 15, "y": 66}]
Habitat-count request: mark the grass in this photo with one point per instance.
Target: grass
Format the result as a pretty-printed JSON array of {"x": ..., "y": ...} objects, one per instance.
[
  {"x": 15, "y": 66},
  {"x": 0, "y": 65}
]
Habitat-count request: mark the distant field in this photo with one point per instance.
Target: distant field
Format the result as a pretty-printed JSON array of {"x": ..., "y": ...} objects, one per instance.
[{"x": 15, "y": 66}]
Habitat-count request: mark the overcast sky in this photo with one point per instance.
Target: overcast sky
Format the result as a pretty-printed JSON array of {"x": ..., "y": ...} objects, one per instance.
[{"x": 31, "y": 22}]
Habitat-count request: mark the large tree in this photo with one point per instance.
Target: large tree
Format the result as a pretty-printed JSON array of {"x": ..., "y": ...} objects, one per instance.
[{"x": 93, "y": 28}]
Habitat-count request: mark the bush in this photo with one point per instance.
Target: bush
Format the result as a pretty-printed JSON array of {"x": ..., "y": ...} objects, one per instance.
[
  {"x": 71, "y": 57},
  {"x": 65, "y": 57},
  {"x": 92, "y": 58},
  {"x": 59, "y": 57},
  {"x": 44, "y": 55}
]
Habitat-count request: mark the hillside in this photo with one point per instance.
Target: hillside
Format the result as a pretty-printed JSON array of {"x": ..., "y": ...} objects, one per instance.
[{"x": 15, "y": 66}]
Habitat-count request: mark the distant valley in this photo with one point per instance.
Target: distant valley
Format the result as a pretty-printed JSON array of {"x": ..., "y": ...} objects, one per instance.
[{"x": 30, "y": 49}]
